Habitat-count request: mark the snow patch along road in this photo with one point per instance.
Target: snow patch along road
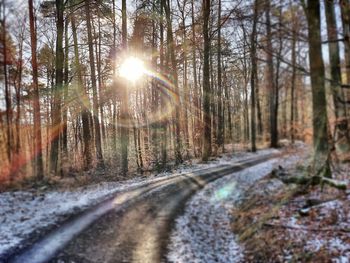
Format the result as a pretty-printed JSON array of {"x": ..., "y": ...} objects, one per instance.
[
  {"x": 203, "y": 232},
  {"x": 24, "y": 214}
]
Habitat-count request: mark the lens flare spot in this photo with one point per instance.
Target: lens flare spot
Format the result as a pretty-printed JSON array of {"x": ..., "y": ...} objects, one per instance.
[
  {"x": 132, "y": 69},
  {"x": 224, "y": 192}
]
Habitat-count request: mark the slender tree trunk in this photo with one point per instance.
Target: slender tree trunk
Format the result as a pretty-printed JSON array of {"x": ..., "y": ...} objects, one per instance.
[
  {"x": 99, "y": 76},
  {"x": 163, "y": 99},
  {"x": 258, "y": 106},
  {"x": 39, "y": 170},
  {"x": 221, "y": 119},
  {"x": 65, "y": 107},
  {"x": 271, "y": 79},
  {"x": 18, "y": 93},
  {"x": 154, "y": 96},
  {"x": 246, "y": 114},
  {"x": 136, "y": 147},
  {"x": 186, "y": 93},
  {"x": 139, "y": 148},
  {"x": 8, "y": 100},
  {"x": 345, "y": 17},
  {"x": 171, "y": 44},
  {"x": 114, "y": 99},
  {"x": 294, "y": 70},
  {"x": 56, "y": 127},
  {"x": 206, "y": 83},
  {"x": 99, "y": 156},
  {"x": 228, "y": 109},
  {"x": 124, "y": 101},
  {"x": 213, "y": 101},
  {"x": 197, "y": 104},
  {"x": 253, "y": 76},
  {"x": 245, "y": 91},
  {"x": 341, "y": 125},
  {"x": 85, "y": 113},
  {"x": 277, "y": 77}
]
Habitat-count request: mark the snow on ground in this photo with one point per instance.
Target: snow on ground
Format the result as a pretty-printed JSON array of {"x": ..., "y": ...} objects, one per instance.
[
  {"x": 225, "y": 159},
  {"x": 203, "y": 232},
  {"x": 24, "y": 213},
  {"x": 333, "y": 216}
]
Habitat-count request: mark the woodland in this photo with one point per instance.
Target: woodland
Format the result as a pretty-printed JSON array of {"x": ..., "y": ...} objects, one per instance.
[
  {"x": 174, "y": 131},
  {"x": 143, "y": 85}
]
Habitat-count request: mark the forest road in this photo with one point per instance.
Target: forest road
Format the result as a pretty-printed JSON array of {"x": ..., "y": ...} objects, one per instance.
[{"x": 137, "y": 231}]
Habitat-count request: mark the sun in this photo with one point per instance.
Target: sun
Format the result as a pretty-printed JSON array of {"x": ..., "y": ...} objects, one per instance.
[{"x": 132, "y": 69}]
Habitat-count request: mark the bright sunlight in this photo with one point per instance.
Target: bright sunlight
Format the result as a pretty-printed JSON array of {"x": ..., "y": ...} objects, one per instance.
[{"x": 132, "y": 69}]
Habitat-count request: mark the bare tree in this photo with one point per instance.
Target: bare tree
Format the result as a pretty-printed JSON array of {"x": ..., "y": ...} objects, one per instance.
[
  {"x": 56, "y": 109},
  {"x": 271, "y": 79},
  {"x": 96, "y": 120},
  {"x": 39, "y": 171},
  {"x": 124, "y": 100},
  {"x": 319, "y": 104},
  {"x": 221, "y": 119},
  {"x": 253, "y": 76},
  {"x": 341, "y": 126},
  {"x": 85, "y": 109},
  {"x": 171, "y": 46},
  {"x": 206, "y": 83}
]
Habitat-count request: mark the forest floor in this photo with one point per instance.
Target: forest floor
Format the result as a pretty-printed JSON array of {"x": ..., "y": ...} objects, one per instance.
[
  {"x": 247, "y": 216},
  {"x": 288, "y": 223}
]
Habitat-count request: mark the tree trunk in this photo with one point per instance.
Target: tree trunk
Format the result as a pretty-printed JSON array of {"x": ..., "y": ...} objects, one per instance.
[
  {"x": 271, "y": 79},
  {"x": 163, "y": 99},
  {"x": 294, "y": 71},
  {"x": 221, "y": 119},
  {"x": 253, "y": 76},
  {"x": 277, "y": 77},
  {"x": 319, "y": 103},
  {"x": 345, "y": 17},
  {"x": 213, "y": 101},
  {"x": 39, "y": 169},
  {"x": 228, "y": 109},
  {"x": 206, "y": 84},
  {"x": 65, "y": 106},
  {"x": 114, "y": 98},
  {"x": 18, "y": 92},
  {"x": 341, "y": 125},
  {"x": 171, "y": 44},
  {"x": 56, "y": 127},
  {"x": 124, "y": 101},
  {"x": 197, "y": 104},
  {"x": 136, "y": 148},
  {"x": 154, "y": 96},
  {"x": 99, "y": 156},
  {"x": 85, "y": 113},
  {"x": 186, "y": 93},
  {"x": 8, "y": 99},
  {"x": 258, "y": 106},
  {"x": 245, "y": 89},
  {"x": 99, "y": 75}
]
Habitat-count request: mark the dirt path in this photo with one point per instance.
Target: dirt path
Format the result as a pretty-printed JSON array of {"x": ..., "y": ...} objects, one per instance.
[{"x": 132, "y": 227}]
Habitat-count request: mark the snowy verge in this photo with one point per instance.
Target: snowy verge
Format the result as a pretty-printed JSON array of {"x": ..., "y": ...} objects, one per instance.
[
  {"x": 24, "y": 214},
  {"x": 203, "y": 233},
  {"x": 330, "y": 221}
]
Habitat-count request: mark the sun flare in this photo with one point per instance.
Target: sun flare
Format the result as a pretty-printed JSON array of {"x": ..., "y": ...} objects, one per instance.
[{"x": 132, "y": 69}]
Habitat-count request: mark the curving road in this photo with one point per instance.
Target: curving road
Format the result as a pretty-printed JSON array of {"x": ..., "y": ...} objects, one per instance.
[{"x": 130, "y": 227}]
